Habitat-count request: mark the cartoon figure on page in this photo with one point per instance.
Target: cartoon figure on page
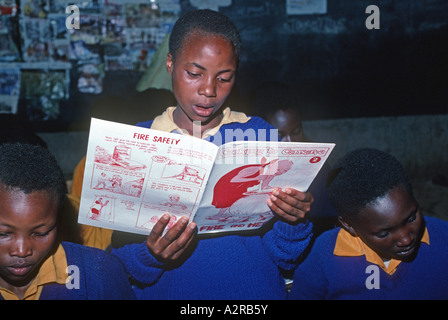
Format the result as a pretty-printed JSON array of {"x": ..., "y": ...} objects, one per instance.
[{"x": 245, "y": 189}]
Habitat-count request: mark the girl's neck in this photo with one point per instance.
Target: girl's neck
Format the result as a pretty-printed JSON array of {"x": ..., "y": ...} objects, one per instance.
[{"x": 195, "y": 128}]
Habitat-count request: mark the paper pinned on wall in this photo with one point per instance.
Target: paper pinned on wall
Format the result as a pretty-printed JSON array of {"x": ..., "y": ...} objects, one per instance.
[
  {"x": 210, "y": 4},
  {"x": 9, "y": 89},
  {"x": 306, "y": 7}
]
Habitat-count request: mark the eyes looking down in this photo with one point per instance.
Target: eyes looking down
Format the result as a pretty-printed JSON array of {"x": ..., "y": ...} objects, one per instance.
[
  {"x": 28, "y": 228},
  {"x": 392, "y": 225},
  {"x": 203, "y": 75}
]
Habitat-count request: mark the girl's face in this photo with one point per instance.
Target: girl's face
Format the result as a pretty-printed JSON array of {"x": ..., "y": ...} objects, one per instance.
[
  {"x": 392, "y": 226},
  {"x": 27, "y": 234},
  {"x": 202, "y": 76}
]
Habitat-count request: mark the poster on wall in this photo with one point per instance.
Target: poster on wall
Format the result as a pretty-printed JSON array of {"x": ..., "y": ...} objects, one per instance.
[
  {"x": 8, "y": 8},
  {"x": 91, "y": 76},
  {"x": 306, "y": 7},
  {"x": 9, "y": 89},
  {"x": 43, "y": 85},
  {"x": 38, "y": 50},
  {"x": 210, "y": 4},
  {"x": 8, "y": 49}
]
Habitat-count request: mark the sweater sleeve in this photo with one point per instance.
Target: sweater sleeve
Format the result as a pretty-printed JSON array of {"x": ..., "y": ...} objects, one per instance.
[
  {"x": 286, "y": 243},
  {"x": 310, "y": 281},
  {"x": 100, "y": 276},
  {"x": 139, "y": 263},
  {"x": 119, "y": 288}
]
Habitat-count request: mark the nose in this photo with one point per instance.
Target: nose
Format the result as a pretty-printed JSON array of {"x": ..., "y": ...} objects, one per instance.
[
  {"x": 286, "y": 138},
  {"x": 208, "y": 88},
  {"x": 21, "y": 248},
  {"x": 404, "y": 238}
]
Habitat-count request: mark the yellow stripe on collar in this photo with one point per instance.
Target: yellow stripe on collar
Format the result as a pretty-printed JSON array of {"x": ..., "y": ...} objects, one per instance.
[
  {"x": 350, "y": 246},
  {"x": 165, "y": 122}
]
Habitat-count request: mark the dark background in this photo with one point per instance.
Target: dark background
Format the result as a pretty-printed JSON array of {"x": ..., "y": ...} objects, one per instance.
[
  {"x": 332, "y": 62},
  {"x": 338, "y": 67}
]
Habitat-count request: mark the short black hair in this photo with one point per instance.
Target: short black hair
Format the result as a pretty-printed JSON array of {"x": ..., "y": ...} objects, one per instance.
[
  {"x": 207, "y": 21},
  {"x": 361, "y": 177},
  {"x": 31, "y": 168}
]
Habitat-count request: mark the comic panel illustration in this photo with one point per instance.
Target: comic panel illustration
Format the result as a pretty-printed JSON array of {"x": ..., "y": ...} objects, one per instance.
[
  {"x": 172, "y": 202},
  {"x": 176, "y": 172},
  {"x": 102, "y": 209},
  {"x": 120, "y": 157},
  {"x": 117, "y": 180}
]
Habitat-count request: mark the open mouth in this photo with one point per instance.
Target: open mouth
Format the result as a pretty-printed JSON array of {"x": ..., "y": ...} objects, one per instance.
[{"x": 203, "y": 110}]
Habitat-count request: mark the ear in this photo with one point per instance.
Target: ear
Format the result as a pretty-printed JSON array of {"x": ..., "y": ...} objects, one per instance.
[
  {"x": 346, "y": 225},
  {"x": 169, "y": 63}
]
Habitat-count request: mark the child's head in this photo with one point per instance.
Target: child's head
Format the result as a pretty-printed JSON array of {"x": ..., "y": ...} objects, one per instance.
[
  {"x": 279, "y": 105},
  {"x": 205, "y": 23},
  {"x": 32, "y": 191},
  {"x": 289, "y": 124},
  {"x": 203, "y": 57},
  {"x": 372, "y": 193}
]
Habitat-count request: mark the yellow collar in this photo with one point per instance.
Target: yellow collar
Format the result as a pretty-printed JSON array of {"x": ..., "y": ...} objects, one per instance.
[
  {"x": 350, "y": 246},
  {"x": 165, "y": 122},
  {"x": 53, "y": 270}
]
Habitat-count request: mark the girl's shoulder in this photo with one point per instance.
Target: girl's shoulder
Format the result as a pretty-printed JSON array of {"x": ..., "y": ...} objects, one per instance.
[{"x": 145, "y": 124}]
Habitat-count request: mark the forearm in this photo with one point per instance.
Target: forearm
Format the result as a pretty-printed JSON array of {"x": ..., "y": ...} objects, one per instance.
[
  {"x": 139, "y": 263},
  {"x": 287, "y": 243}
]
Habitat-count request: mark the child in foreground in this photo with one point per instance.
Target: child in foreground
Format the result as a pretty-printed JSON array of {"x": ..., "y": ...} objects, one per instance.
[
  {"x": 34, "y": 264},
  {"x": 386, "y": 248},
  {"x": 204, "y": 51}
]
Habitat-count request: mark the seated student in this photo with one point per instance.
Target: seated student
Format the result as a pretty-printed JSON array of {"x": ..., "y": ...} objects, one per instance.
[
  {"x": 33, "y": 262},
  {"x": 278, "y": 104},
  {"x": 275, "y": 102},
  {"x": 386, "y": 248},
  {"x": 13, "y": 129},
  {"x": 203, "y": 57}
]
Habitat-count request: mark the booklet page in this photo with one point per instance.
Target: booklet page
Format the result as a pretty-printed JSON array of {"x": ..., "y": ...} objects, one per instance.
[{"x": 134, "y": 175}]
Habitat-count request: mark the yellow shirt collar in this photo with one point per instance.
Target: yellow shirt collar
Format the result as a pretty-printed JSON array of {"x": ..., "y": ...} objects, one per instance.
[
  {"x": 165, "y": 122},
  {"x": 350, "y": 246},
  {"x": 53, "y": 270}
]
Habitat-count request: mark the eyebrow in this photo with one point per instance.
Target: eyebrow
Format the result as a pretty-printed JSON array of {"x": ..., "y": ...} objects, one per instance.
[
  {"x": 34, "y": 228},
  {"x": 44, "y": 225},
  {"x": 402, "y": 222},
  {"x": 203, "y": 68}
]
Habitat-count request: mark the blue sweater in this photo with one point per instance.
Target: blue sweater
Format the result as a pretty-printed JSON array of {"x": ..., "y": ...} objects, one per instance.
[
  {"x": 222, "y": 267},
  {"x": 102, "y": 276},
  {"x": 325, "y": 276}
]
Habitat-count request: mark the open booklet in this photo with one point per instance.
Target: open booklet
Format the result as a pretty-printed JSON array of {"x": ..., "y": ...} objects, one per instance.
[{"x": 134, "y": 175}]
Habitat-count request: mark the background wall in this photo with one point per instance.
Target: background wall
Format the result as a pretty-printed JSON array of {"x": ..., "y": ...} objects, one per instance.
[{"x": 336, "y": 66}]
